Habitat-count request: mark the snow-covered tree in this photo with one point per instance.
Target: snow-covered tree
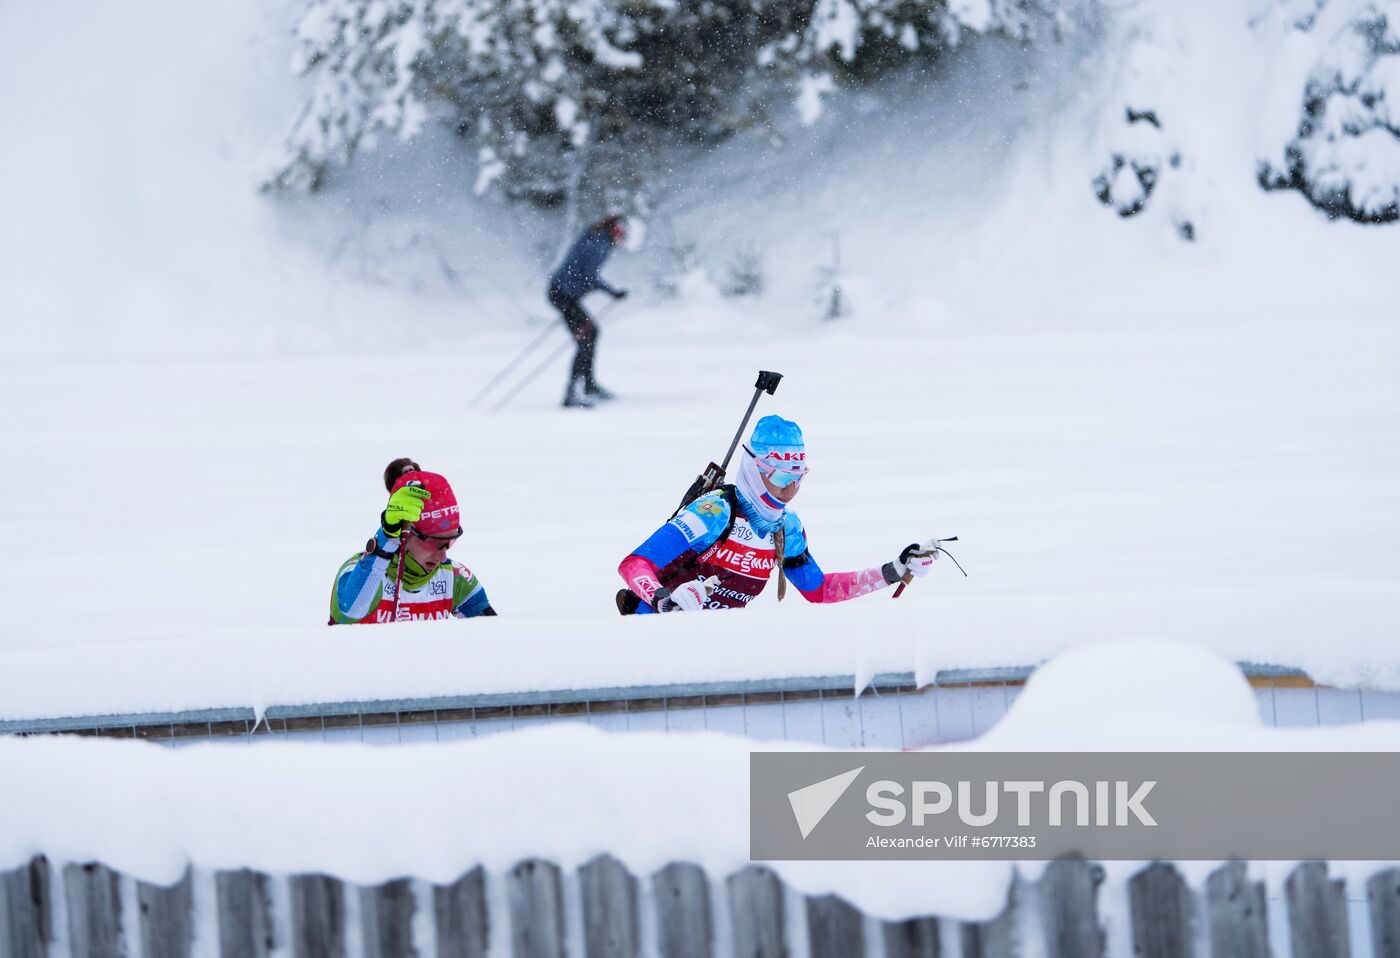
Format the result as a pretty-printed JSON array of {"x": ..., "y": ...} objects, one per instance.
[
  {"x": 1343, "y": 150},
  {"x": 1145, "y": 162},
  {"x": 568, "y": 100}
]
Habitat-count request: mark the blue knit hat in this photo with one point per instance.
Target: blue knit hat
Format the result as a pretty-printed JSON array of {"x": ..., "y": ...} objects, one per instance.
[{"x": 777, "y": 444}]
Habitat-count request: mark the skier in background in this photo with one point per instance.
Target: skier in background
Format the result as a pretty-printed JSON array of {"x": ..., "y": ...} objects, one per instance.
[
  {"x": 418, "y": 526},
  {"x": 719, "y": 551},
  {"x": 576, "y": 277}
]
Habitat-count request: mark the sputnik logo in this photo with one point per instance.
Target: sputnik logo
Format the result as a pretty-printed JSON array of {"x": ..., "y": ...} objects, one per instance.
[{"x": 810, "y": 804}]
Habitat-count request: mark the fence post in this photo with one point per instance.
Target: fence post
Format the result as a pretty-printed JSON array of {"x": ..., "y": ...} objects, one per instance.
[
  {"x": 913, "y": 938},
  {"x": 1235, "y": 910},
  {"x": 167, "y": 919},
  {"x": 93, "y": 897},
  {"x": 26, "y": 911},
  {"x": 1161, "y": 907},
  {"x": 1069, "y": 891},
  {"x": 245, "y": 923},
  {"x": 756, "y": 910},
  {"x": 683, "y": 925},
  {"x": 834, "y": 928},
  {"x": 318, "y": 916},
  {"x": 996, "y": 938},
  {"x": 1317, "y": 913},
  {"x": 463, "y": 924},
  {"x": 386, "y": 917},
  {"x": 536, "y": 910},
  {"x": 609, "y": 893},
  {"x": 1383, "y": 890}
]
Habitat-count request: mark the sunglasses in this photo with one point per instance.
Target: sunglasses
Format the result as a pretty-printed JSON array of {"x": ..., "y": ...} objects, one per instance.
[
  {"x": 439, "y": 542},
  {"x": 782, "y": 475}
]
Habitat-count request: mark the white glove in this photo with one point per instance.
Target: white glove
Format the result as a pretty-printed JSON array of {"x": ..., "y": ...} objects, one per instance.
[
  {"x": 916, "y": 559},
  {"x": 690, "y": 597}
]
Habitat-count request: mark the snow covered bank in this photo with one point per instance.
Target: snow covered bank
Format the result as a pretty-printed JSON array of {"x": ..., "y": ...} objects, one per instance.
[
  {"x": 568, "y": 794},
  {"x": 313, "y": 665}
]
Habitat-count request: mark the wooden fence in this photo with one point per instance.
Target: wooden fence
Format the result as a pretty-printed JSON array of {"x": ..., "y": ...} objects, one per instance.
[{"x": 603, "y": 911}]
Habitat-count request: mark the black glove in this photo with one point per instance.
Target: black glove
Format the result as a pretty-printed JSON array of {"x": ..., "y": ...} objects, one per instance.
[
  {"x": 619, "y": 294},
  {"x": 661, "y": 601}
]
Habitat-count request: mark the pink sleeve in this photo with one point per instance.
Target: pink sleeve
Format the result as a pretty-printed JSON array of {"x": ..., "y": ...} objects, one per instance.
[
  {"x": 840, "y": 586},
  {"x": 641, "y": 576}
]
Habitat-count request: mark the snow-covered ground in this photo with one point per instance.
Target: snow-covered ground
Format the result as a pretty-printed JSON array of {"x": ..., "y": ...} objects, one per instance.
[
  {"x": 204, "y": 383},
  {"x": 1131, "y": 435}
]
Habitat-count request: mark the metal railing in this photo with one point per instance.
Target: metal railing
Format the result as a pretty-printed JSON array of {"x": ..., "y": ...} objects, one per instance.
[{"x": 477, "y": 709}]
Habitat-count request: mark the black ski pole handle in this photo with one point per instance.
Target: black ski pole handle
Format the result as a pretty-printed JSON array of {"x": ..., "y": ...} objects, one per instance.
[{"x": 767, "y": 383}]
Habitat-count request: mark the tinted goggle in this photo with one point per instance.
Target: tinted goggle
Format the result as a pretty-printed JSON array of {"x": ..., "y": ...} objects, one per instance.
[
  {"x": 780, "y": 474},
  {"x": 438, "y": 541}
]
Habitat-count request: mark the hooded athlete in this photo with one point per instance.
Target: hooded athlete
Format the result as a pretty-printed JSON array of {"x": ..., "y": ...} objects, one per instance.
[
  {"x": 420, "y": 523},
  {"x": 719, "y": 551}
]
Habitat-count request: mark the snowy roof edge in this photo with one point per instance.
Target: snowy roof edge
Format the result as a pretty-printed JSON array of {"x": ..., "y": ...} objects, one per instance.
[{"x": 884, "y": 680}]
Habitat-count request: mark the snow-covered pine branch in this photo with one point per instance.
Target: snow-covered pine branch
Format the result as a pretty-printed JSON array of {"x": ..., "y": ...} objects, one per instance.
[
  {"x": 566, "y": 100},
  {"x": 1146, "y": 161},
  {"x": 1339, "y": 144}
]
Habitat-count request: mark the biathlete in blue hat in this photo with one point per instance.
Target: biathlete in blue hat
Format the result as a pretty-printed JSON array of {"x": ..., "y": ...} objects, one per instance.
[{"x": 720, "y": 550}]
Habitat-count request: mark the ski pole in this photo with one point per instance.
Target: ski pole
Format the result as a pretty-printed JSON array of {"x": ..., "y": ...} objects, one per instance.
[
  {"x": 908, "y": 577},
  {"x": 534, "y": 373},
  {"x": 714, "y": 474},
  {"x": 404, "y": 533},
  {"x": 534, "y": 344},
  {"x": 532, "y": 376}
]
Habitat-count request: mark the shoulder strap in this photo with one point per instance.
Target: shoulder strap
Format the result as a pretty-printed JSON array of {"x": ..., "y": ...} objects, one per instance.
[
  {"x": 690, "y": 559},
  {"x": 731, "y": 496}
]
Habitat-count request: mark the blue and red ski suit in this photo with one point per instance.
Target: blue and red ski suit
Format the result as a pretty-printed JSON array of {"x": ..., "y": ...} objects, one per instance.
[{"x": 720, "y": 534}]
